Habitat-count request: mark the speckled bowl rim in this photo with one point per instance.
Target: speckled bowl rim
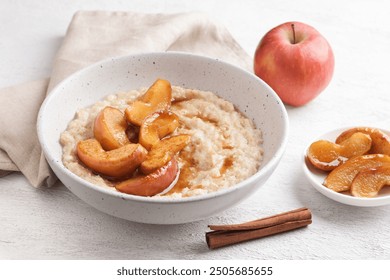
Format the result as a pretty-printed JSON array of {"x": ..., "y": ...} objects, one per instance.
[{"x": 166, "y": 200}]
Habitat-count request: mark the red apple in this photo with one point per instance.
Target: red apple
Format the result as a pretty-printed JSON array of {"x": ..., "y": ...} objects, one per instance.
[{"x": 296, "y": 61}]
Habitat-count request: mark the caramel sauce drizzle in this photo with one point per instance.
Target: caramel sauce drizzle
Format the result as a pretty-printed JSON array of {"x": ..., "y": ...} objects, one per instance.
[
  {"x": 206, "y": 119},
  {"x": 186, "y": 172},
  {"x": 227, "y": 147},
  {"x": 227, "y": 163},
  {"x": 188, "y": 169}
]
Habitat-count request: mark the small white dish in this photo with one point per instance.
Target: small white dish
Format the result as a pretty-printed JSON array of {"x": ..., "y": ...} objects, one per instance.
[{"x": 316, "y": 178}]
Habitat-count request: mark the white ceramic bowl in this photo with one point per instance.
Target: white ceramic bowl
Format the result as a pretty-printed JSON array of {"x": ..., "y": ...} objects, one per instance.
[
  {"x": 317, "y": 177},
  {"x": 250, "y": 94}
]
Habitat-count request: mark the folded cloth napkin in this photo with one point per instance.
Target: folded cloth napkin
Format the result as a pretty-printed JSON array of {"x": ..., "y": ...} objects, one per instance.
[{"x": 93, "y": 36}]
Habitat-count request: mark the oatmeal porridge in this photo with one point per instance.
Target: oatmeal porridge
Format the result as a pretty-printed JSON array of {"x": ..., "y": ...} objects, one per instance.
[{"x": 224, "y": 147}]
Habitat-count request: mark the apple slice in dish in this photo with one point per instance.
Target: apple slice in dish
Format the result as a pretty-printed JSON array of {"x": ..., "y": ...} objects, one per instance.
[
  {"x": 317, "y": 177},
  {"x": 157, "y": 182},
  {"x": 117, "y": 163},
  {"x": 340, "y": 179},
  {"x": 380, "y": 140},
  {"x": 157, "y": 126},
  {"x": 163, "y": 152},
  {"x": 326, "y": 155},
  {"x": 110, "y": 128},
  {"x": 368, "y": 183},
  {"x": 157, "y": 98}
]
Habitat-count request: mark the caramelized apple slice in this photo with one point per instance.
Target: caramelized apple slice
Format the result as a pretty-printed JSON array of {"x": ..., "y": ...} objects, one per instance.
[
  {"x": 117, "y": 163},
  {"x": 340, "y": 178},
  {"x": 138, "y": 111},
  {"x": 368, "y": 183},
  {"x": 160, "y": 93},
  {"x": 157, "y": 98},
  {"x": 152, "y": 184},
  {"x": 163, "y": 152},
  {"x": 380, "y": 140},
  {"x": 327, "y": 156},
  {"x": 157, "y": 126},
  {"x": 110, "y": 128}
]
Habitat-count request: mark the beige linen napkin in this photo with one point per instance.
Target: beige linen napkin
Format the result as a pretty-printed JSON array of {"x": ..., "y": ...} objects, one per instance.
[{"x": 93, "y": 36}]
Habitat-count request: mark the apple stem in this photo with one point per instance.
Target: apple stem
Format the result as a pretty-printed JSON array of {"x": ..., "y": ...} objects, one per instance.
[{"x": 293, "y": 29}]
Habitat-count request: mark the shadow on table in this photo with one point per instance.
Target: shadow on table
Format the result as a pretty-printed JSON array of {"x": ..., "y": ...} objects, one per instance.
[{"x": 89, "y": 233}]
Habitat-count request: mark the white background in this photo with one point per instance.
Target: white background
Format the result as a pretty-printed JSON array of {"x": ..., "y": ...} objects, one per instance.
[{"x": 54, "y": 224}]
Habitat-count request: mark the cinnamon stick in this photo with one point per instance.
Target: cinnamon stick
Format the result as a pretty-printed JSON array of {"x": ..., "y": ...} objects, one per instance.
[{"x": 224, "y": 235}]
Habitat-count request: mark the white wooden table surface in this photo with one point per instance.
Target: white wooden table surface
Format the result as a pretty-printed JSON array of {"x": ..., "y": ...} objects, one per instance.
[{"x": 55, "y": 224}]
